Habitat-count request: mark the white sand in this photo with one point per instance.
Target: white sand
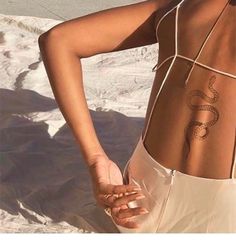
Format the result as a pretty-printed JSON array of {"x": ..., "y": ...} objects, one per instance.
[{"x": 44, "y": 182}]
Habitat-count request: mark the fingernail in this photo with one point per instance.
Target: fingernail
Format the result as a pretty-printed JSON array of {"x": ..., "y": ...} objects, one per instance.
[
  {"x": 140, "y": 197},
  {"x": 137, "y": 188},
  {"x": 144, "y": 211}
]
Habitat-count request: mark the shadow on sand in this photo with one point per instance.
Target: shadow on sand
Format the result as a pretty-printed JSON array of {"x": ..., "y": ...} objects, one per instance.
[{"x": 42, "y": 175}]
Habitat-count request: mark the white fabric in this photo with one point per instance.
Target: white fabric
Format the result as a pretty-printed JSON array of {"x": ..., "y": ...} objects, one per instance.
[{"x": 179, "y": 202}]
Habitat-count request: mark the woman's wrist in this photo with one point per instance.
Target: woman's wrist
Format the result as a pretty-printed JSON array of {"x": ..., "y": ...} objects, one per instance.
[
  {"x": 90, "y": 148},
  {"x": 93, "y": 159}
]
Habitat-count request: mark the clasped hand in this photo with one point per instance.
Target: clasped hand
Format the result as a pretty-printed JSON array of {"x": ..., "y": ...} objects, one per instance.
[{"x": 110, "y": 192}]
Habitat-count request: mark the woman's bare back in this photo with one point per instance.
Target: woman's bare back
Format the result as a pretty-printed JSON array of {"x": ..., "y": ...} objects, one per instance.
[{"x": 192, "y": 127}]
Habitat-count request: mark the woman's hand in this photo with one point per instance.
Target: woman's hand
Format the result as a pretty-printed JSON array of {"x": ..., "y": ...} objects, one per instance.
[{"x": 107, "y": 180}]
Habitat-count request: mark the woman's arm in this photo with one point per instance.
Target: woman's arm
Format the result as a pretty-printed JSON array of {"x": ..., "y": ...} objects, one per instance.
[
  {"x": 62, "y": 48},
  {"x": 65, "y": 44}
]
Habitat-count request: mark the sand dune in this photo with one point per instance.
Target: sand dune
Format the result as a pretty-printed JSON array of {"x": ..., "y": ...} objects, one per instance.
[{"x": 44, "y": 182}]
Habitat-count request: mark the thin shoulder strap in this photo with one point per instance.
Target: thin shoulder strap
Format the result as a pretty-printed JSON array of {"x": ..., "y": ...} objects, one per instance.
[
  {"x": 205, "y": 41},
  {"x": 170, "y": 67},
  {"x": 233, "y": 173},
  {"x": 168, "y": 12},
  {"x": 176, "y": 27}
]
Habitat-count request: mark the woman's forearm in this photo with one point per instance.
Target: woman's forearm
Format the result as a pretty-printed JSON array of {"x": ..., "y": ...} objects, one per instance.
[
  {"x": 64, "y": 71},
  {"x": 105, "y": 31}
]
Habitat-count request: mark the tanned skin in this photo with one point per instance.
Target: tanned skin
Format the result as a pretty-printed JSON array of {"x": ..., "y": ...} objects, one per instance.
[{"x": 62, "y": 48}]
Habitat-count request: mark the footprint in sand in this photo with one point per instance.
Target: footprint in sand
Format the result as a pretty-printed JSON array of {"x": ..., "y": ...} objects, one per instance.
[
  {"x": 7, "y": 54},
  {"x": 2, "y": 39}
]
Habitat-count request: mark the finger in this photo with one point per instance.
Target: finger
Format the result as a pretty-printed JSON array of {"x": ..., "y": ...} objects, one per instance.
[
  {"x": 126, "y": 222},
  {"x": 124, "y": 206},
  {"x": 125, "y": 199},
  {"x": 107, "y": 201},
  {"x": 130, "y": 225},
  {"x": 131, "y": 212},
  {"x": 117, "y": 189}
]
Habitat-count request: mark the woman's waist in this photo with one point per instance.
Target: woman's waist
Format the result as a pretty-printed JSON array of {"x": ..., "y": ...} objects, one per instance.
[
  {"x": 193, "y": 148},
  {"x": 143, "y": 163}
]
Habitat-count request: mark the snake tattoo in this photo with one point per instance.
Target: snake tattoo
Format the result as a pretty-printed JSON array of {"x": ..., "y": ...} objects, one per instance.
[{"x": 196, "y": 129}]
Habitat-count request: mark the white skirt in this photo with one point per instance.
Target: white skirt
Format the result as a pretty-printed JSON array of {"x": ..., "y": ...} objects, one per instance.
[{"x": 178, "y": 202}]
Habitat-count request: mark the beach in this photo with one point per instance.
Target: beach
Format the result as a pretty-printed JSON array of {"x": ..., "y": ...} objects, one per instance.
[{"x": 44, "y": 182}]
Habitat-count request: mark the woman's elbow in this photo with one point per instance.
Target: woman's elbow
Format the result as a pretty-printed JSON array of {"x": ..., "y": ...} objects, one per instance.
[{"x": 54, "y": 37}]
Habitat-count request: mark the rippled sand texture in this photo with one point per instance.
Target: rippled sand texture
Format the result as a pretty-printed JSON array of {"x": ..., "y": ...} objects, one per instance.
[{"x": 44, "y": 183}]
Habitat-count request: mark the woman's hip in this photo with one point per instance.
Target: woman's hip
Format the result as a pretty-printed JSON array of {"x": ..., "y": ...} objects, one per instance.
[{"x": 179, "y": 202}]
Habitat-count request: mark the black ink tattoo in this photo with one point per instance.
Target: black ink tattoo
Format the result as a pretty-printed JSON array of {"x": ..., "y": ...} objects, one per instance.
[{"x": 196, "y": 129}]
